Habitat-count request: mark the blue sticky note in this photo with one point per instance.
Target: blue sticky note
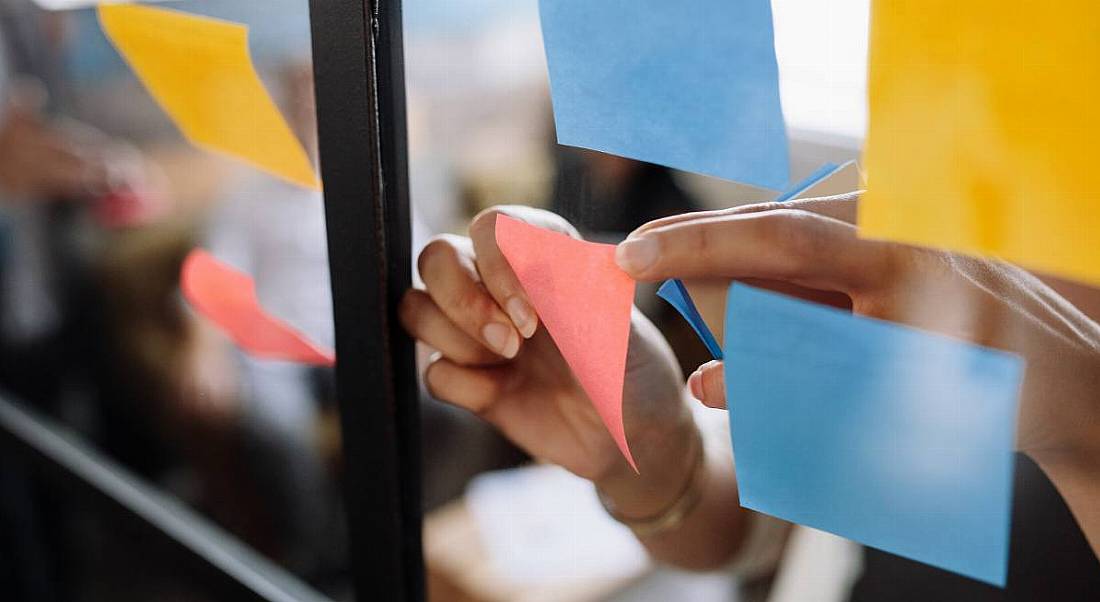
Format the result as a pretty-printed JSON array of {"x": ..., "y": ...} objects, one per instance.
[
  {"x": 674, "y": 292},
  {"x": 826, "y": 170},
  {"x": 692, "y": 86},
  {"x": 886, "y": 435}
]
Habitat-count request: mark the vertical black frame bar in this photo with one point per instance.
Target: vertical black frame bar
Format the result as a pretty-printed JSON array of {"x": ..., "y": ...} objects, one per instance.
[{"x": 359, "y": 81}]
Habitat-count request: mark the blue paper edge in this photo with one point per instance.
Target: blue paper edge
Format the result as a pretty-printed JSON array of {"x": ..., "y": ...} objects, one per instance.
[
  {"x": 677, "y": 296},
  {"x": 826, "y": 170},
  {"x": 684, "y": 304}
]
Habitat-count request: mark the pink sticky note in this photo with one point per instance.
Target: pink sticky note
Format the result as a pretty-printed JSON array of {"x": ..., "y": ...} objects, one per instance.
[
  {"x": 584, "y": 300},
  {"x": 227, "y": 297}
]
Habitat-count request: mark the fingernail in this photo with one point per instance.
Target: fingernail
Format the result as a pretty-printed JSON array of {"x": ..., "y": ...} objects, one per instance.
[
  {"x": 636, "y": 254},
  {"x": 522, "y": 316},
  {"x": 695, "y": 384},
  {"x": 502, "y": 339}
]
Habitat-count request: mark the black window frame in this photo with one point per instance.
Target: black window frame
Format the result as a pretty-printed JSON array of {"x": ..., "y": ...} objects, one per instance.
[{"x": 358, "y": 65}]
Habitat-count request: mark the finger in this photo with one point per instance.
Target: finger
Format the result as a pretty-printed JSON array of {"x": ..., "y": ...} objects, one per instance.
[
  {"x": 73, "y": 176},
  {"x": 447, "y": 268},
  {"x": 712, "y": 382},
  {"x": 423, "y": 320},
  {"x": 474, "y": 389},
  {"x": 783, "y": 244},
  {"x": 841, "y": 207},
  {"x": 497, "y": 274}
]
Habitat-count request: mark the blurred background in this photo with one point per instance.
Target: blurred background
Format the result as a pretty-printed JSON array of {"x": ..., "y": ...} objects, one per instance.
[{"x": 101, "y": 198}]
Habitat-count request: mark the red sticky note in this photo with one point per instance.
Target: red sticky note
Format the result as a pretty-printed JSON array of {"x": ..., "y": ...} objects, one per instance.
[
  {"x": 227, "y": 297},
  {"x": 584, "y": 300}
]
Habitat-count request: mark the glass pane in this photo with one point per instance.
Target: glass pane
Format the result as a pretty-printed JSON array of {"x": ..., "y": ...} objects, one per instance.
[
  {"x": 481, "y": 133},
  {"x": 102, "y": 200}
]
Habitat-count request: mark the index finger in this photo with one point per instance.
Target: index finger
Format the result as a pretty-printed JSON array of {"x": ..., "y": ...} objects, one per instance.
[
  {"x": 496, "y": 274},
  {"x": 840, "y": 206},
  {"x": 787, "y": 245}
]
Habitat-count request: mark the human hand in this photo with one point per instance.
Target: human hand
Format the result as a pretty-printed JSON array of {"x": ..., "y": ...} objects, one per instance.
[
  {"x": 810, "y": 249},
  {"x": 39, "y": 160},
  {"x": 495, "y": 361}
]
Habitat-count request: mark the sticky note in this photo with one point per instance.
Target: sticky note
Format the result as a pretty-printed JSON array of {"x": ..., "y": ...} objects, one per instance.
[
  {"x": 200, "y": 72},
  {"x": 227, "y": 297},
  {"x": 893, "y": 437},
  {"x": 983, "y": 131},
  {"x": 676, "y": 294},
  {"x": 584, "y": 300},
  {"x": 694, "y": 87}
]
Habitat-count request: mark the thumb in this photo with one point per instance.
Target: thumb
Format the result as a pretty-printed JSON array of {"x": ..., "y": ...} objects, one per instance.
[{"x": 708, "y": 384}]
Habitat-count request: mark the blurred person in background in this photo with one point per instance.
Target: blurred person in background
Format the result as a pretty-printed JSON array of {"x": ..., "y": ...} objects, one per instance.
[
  {"x": 250, "y": 437},
  {"x": 57, "y": 177},
  {"x": 160, "y": 389}
]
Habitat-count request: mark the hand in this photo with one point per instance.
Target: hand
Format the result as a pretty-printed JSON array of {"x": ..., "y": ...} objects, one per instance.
[
  {"x": 810, "y": 249},
  {"x": 40, "y": 161},
  {"x": 496, "y": 361}
]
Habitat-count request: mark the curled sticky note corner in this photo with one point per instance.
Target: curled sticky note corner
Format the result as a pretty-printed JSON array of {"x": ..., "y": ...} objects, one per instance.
[
  {"x": 676, "y": 294},
  {"x": 227, "y": 297},
  {"x": 584, "y": 300}
]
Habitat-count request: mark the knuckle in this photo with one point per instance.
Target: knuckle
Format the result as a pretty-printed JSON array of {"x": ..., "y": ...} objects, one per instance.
[
  {"x": 491, "y": 388},
  {"x": 473, "y": 301},
  {"x": 700, "y": 246},
  {"x": 891, "y": 266},
  {"x": 482, "y": 407},
  {"x": 794, "y": 230},
  {"x": 472, "y": 355}
]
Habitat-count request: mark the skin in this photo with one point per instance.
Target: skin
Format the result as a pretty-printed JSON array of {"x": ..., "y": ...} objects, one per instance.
[
  {"x": 810, "y": 249},
  {"x": 494, "y": 359},
  {"x": 39, "y": 160}
]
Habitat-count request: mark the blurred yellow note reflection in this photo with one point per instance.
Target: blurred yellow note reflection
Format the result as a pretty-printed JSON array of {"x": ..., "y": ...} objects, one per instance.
[
  {"x": 983, "y": 130},
  {"x": 200, "y": 72}
]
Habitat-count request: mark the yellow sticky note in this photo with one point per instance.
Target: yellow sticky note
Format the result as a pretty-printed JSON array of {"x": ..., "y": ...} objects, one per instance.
[
  {"x": 984, "y": 125},
  {"x": 200, "y": 72}
]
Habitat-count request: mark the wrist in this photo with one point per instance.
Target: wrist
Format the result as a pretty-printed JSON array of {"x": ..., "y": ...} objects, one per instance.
[
  {"x": 673, "y": 514},
  {"x": 666, "y": 461}
]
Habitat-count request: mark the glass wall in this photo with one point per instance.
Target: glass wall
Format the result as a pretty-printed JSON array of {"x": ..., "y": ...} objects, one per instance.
[
  {"x": 481, "y": 133},
  {"x": 102, "y": 198}
]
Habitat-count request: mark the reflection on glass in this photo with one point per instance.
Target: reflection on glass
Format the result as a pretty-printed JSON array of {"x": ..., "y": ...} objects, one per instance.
[{"x": 101, "y": 198}]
